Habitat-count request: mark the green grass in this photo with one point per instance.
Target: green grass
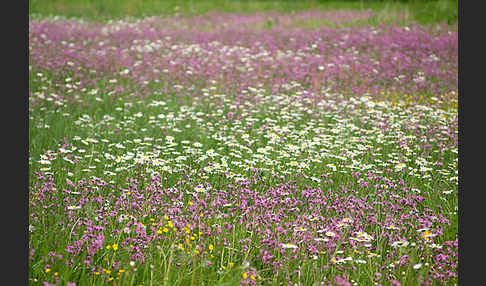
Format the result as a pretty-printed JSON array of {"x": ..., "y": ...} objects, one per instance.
[
  {"x": 50, "y": 125},
  {"x": 158, "y": 270},
  {"x": 425, "y": 12}
]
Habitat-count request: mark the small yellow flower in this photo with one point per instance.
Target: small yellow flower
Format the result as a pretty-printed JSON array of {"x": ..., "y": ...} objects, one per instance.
[
  {"x": 159, "y": 231},
  {"x": 56, "y": 273},
  {"x": 48, "y": 270},
  {"x": 166, "y": 217},
  {"x": 97, "y": 273},
  {"x": 196, "y": 251},
  {"x": 108, "y": 246},
  {"x": 245, "y": 275},
  {"x": 230, "y": 264},
  {"x": 165, "y": 229},
  {"x": 252, "y": 277},
  {"x": 191, "y": 203},
  {"x": 211, "y": 247},
  {"x": 115, "y": 246},
  {"x": 372, "y": 254}
]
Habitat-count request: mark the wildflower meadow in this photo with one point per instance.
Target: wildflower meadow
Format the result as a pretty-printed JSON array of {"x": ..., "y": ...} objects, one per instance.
[{"x": 318, "y": 147}]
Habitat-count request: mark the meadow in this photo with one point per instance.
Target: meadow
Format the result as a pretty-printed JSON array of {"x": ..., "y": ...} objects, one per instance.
[{"x": 253, "y": 147}]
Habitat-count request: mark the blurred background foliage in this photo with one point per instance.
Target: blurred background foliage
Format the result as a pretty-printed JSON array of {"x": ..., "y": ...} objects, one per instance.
[{"x": 422, "y": 11}]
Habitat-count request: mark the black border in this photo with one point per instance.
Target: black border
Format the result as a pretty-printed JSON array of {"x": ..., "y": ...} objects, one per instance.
[{"x": 15, "y": 115}]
